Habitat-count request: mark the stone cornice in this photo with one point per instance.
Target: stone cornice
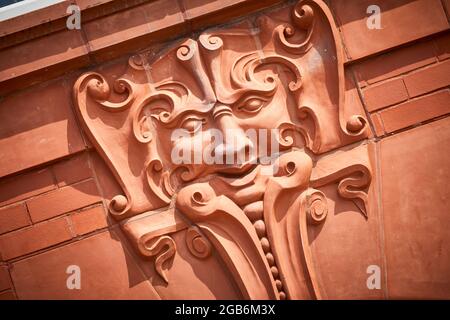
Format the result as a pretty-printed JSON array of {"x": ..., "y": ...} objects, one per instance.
[{"x": 109, "y": 29}]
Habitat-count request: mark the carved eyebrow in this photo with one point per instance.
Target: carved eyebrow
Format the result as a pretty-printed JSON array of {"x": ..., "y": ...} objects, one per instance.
[
  {"x": 177, "y": 116},
  {"x": 250, "y": 95}
]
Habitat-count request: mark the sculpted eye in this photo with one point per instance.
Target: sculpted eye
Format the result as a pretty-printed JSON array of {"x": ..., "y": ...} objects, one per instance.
[
  {"x": 192, "y": 124},
  {"x": 252, "y": 105}
]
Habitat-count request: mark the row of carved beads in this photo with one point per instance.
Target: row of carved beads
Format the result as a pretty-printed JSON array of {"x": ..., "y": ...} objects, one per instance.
[{"x": 254, "y": 212}]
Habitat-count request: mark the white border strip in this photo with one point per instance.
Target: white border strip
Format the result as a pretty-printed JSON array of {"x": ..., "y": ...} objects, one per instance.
[{"x": 23, "y": 7}]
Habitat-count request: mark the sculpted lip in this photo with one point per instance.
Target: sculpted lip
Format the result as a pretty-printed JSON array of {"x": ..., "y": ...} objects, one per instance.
[
  {"x": 241, "y": 170},
  {"x": 244, "y": 168}
]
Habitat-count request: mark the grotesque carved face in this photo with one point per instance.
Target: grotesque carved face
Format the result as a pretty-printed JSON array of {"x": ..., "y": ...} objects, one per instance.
[
  {"x": 195, "y": 130},
  {"x": 219, "y": 105},
  {"x": 229, "y": 130},
  {"x": 228, "y": 113}
]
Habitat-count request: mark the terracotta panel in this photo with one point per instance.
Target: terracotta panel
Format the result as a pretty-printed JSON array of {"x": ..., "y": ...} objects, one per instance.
[
  {"x": 85, "y": 4},
  {"x": 416, "y": 111},
  {"x": 36, "y": 237},
  {"x": 72, "y": 170},
  {"x": 394, "y": 63},
  {"x": 197, "y": 8},
  {"x": 352, "y": 98},
  {"x": 345, "y": 226},
  {"x": 200, "y": 13},
  {"x": 242, "y": 235},
  {"x": 20, "y": 187},
  {"x": 60, "y": 51},
  {"x": 385, "y": 94},
  {"x": 107, "y": 272},
  {"x": 63, "y": 200},
  {"x": 378, "y": 124},
  {"x": 190, "y": 277},
  {"x": 347, "y": 278},
  {"x": 13, "y": 217},
  {"x": 397, "y": 17},
  {"x": 140, "y": 25},
  {"x": 428, "y": 79},
  {"x": 447, "y": 7},
  {"x": 34, "y": 18},
  {"x": 39, "y": 121},
  {"x": 107, "y": 184},
  {"x": 335, "y": 202},
  {"x": 89, "y": 220},
  {"x": 443, "y": 47},
  {"x": 7, "y": 295},
  {"x": 415, "y": 197},
  {"x": 5, "y": 282}
]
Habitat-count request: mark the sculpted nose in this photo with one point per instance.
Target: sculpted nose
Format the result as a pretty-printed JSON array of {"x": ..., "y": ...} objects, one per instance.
[{"x": 236, "y": 146}]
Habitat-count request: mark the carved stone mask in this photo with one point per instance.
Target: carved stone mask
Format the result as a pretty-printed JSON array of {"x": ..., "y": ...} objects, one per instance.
[{"x": 281, "y": 71}]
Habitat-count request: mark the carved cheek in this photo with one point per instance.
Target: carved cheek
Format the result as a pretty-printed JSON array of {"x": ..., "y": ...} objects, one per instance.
[
  {"x": 185, "y": 143},
  {"x": 281, "y": 105},
  {"x": 199, "y": 141},
  {"x": 265, "y": 118},
  {"x": 188, "y": 149}
]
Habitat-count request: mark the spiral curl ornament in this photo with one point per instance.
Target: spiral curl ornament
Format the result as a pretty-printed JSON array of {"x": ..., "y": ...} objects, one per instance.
[
  {"x": 288, "y": 131},
  {"x": 352, "y": 187},
  {"x": 136, "y": 62},
  {"x": 118, "y": 205},
  {"x": 198, "y": 198},
  {"x": 356, "y": 124},
  {"x": 303, "y": 18},
  {"x": 211, "y": 42},
  {"x": 157, "y": 180},
  {"x": 141, "y": 130},
  {"x": 98, "y": 88},
  {"x": 317, "y": 208},
  {"x": 197, "y": 244},
  {"x": 186, "y": 51}
]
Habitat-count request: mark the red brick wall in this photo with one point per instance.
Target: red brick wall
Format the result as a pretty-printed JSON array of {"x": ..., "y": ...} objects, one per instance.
[{"x": 53, "y": 185}]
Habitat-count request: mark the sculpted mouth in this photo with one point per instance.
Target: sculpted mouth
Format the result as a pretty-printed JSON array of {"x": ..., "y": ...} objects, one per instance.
[
  {"x": 242, "y": 171},
  {"x": 234, "y": 170}
]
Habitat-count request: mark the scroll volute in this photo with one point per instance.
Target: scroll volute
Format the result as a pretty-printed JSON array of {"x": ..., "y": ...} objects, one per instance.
[{"x": 306, "y": 33}]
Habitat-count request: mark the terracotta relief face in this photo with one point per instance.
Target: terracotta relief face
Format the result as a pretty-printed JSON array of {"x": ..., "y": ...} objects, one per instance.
[{"x": 270, "y": 87}]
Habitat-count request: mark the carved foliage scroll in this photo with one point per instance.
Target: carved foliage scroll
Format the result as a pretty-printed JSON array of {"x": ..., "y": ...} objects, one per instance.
[{"x": 283, "y": 71}]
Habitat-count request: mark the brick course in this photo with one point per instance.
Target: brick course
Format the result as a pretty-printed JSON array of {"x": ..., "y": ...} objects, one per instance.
[
  {"x": 63, "y": 200},
  {"x": 34, "y": 238},
  {"x": 50, "y": 207}
]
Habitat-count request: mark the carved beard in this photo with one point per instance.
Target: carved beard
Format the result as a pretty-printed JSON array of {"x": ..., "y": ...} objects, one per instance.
[
  {"x": 241, "y": 209},
  {"x": 273, "y": 224}
]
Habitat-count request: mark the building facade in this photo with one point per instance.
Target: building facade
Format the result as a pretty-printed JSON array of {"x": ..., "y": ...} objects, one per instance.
[{"x": 241, "y": 149}]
